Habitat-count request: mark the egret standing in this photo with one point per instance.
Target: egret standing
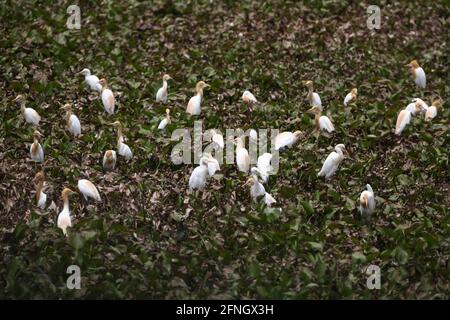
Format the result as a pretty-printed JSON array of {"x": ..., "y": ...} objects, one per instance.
[
  {"x": 418, "y": 74},
  {"x": 332, "y": 162},
  {"x": 29, "y": 114},
  {"x": 107, "y": 97},
  {"x": 91, "y": 80},
  {"x": 194, "y": 105},
  {"x": 161, "y": 94}
]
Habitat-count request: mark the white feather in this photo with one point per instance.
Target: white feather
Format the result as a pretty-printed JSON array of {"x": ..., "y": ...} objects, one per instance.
[
  {"x": 218, "y": 139},
  {"x": 42, "y": 200},
  {"x": 64, "y": 220},
  {"x": 331, "y": 163},
  {"x": 403, "y": 119},
  {"x": 93, "y": 82},
  {"x": 161, "y": 95},
  {"x": 284, "y": 139},
  {"x": 257, "y": 189},
  {"x": 124, "y": 150},
  {"x": 39, "y": 156},
  {"x": 316, "y": 100},
  {"x": 431, "y": 113},
  {"x": 264, "y": 165},
  {"x": 75, "y": 125},
  {"x": 197, "y": 180},
  {"x": 420, "y": 79},
  {"x": 248, "y": 96},
  {"x": 108, "y": 101},
  {"x": 88, "y": 190},
  {"x": 163, "y": 124},
  {"x": 31, "y": 116},
  {"x": 348, "y": 98},
  {"x": 195, "y": 102},
  {"x": 325, "y": 124},
  {"x": 213, "y": 166},
  {"x": 242, "y": 159},
  {"x": 371, "y": 202}
]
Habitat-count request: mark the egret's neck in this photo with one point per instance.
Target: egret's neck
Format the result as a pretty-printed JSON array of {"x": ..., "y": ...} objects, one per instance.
[
  {"x": 309, "y": 96},
  {"x": 66, "y": 202},
  {"x": 22, "y": 107},
  {"x": 68, "y": 114},
  {"x": 119, "y": 136},
  {"x": 239, "y": 144},
  {"x": 317, "y": 118},
  {"x": 200, "y": 92},
  {"x": 35, "y": 140},
  {"x": 39, "y": 187},
  {"x": 165, "y": 84}
]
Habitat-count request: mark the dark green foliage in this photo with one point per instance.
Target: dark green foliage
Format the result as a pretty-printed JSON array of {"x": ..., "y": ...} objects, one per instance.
[{"x": 149, "y": 238}]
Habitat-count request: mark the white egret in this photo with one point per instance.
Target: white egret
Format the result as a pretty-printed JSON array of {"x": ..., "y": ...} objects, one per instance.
[
  {"x": 264, "y": 166},
  {"x": 418, "y": 74},
  {"x": 122, "y": 148},
  {"x": 413, "y": 108},
  {"x": 367, "y": 202},
  {"x": 217, "y": 138},
  {"x": 107, "y": 97},
  {"x": 313, "y": 97},
  {"x": 213, "y": 165},
  {"x": 161, "y": 94},
  {"x": 249, "y": 99},
  {"x": 257, "y": 188},
  {"x": 88, "y": 190},
  {"x": 41, "y": 197},
  {"x": 29, "y": 114},
  {"x": 164, "y": 122},
  {"x": 332, "y": 162},
  {"x": 242, "y": 156},
  {"x": 404, "y": 117},
  {"x": 322, "y": 122},
  {"x": 36, "y": 150},
  {"x": 109, "y": 160},
  {"x": 287, "y": 139},
  {"x": 73, "y": 123},
  {"x": 432, "y": 110},
  {"x": 91, "y": 80},
  {"x": 64, "y": 220},
  {"x": 351, "y": 96},
  {"x": 194, "y": 104},
  {"x": 197, "y": 180}
]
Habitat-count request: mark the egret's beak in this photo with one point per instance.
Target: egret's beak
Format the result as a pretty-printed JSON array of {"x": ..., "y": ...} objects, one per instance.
[
  {"x": 17, "y": 98},
  {"x": 408, "y": 65},
  {"x": 207, "y": 85},
  {"x": 310, "y": 110}
]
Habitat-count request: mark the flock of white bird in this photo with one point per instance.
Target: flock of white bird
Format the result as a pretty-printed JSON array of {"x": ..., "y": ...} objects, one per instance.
[{"x": 208, "y": 165}]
